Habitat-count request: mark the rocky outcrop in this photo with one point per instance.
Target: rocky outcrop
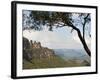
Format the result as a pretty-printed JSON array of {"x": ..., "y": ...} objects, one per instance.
[
  {"x": 40, "y": 51},
  {"x": 27, "y": 53},
  {"x": 34, "y": 49},
  {"x": 26, "y": 43},
  {"x": 35, "y": 44},
  {"x": 43, "y": 53}
]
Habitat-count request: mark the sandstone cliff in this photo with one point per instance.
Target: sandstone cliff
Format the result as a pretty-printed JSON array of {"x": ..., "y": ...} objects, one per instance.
[{"x": 35, "y": 50}]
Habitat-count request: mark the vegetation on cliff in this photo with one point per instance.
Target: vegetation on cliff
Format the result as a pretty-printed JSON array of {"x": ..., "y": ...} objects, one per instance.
[{"x": 36, "y": 56}]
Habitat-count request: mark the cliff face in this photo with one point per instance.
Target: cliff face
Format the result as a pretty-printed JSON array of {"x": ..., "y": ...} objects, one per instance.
[
  {"x": 35, "y": 44},
  {"x": 27, "y": 54},
  {"x": 26, "y": 43},
  {"x": 35, "y": 50}
]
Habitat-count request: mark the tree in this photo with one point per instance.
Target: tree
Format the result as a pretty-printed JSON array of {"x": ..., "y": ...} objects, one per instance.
[
  {"x": 58, "y": 20},
  {"x": 85, "y": 19}
]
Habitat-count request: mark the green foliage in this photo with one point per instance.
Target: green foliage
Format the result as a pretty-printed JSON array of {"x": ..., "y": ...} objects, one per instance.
[
  {"x": 53, "y": 62},
  {"x": 49, "y": 19}
]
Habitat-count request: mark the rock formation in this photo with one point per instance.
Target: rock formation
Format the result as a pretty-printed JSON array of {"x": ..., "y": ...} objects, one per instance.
[
  {"x": 36, "y": 44},
  {"x": 27, "y": 54},
  {"x": 35, "y": 50}
]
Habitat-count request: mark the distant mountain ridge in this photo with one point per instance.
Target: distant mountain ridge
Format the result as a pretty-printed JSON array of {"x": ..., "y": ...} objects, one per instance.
[{"x": 78, "y": 54}]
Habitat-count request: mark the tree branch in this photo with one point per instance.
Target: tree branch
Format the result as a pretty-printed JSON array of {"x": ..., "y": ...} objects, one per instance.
[
  {"x": 60, "y": 25},
  {"x": 81, "y": 39},
  {"x": 85, "y": 21}
]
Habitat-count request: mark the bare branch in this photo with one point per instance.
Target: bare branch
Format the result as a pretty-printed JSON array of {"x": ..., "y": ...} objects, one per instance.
[{"x": 72, "y": 30}]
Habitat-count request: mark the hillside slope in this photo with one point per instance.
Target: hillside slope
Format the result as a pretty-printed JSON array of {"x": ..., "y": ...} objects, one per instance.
[{"x": 36, "y": 56}]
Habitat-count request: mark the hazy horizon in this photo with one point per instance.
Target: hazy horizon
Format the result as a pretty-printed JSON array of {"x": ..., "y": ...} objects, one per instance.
[{"x": 58, "y": 39}]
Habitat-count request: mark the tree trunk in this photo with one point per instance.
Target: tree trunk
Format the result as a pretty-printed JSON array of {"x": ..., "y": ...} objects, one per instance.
[
  {"x": 85, "y": 21},
  {"x": 84, "y": 31},
  {"x": 84, "y": 43},
  {"x": 82, "y": 40}
]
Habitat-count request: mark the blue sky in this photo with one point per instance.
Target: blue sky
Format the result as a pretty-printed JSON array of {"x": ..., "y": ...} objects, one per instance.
[{"x": 59, "y": 38}]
